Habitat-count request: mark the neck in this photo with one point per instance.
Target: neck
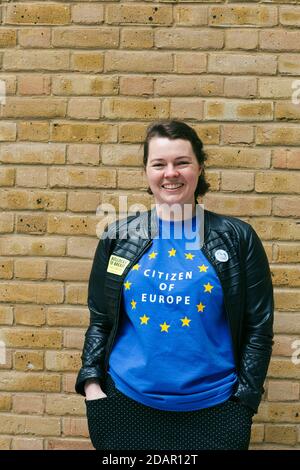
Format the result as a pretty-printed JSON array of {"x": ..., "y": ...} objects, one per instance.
[{"x": 176, "y": 212}]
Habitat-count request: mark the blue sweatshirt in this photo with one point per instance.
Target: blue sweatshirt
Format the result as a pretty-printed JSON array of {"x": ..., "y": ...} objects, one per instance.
[{"x": 173, "y": 349}]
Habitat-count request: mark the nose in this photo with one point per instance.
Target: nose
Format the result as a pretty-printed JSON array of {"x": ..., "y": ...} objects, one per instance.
[{"x": 171, "y": 172}]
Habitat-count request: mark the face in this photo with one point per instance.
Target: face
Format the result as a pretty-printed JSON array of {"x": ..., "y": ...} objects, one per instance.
[{"x": 172, "y": 170}]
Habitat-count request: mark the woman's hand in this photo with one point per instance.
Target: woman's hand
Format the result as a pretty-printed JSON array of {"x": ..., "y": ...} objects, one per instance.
[{"x": 93, "y": 390}]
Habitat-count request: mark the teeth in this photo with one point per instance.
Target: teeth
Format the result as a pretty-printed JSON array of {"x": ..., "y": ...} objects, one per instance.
[{"x": 172, "y": 186}]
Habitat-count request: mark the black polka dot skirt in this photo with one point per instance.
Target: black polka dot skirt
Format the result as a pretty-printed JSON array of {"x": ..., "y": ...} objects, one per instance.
[{"x": 118, "y": 422}]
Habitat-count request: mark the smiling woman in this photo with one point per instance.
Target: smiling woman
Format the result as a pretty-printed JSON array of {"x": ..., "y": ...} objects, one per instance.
[{"x": 179, "y": 341}]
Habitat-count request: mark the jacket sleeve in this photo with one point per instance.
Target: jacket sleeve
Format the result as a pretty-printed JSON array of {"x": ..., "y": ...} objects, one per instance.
[
  {"x": 100, "y": 324},
  {"x": 258, "y": 323}
]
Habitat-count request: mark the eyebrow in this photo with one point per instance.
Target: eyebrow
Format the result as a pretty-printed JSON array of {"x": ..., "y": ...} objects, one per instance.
[{"x": 177, "y": 158}]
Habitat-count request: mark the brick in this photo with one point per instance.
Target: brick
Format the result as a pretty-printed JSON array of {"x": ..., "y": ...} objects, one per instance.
[
  {"x": 238, "y": 157},
  {"x": 136, "y": 85},
  {"x": 25, "y": 199},
  {"x": 30, "y": 315},
  {"x": 178, "y": 86},
  {"x": 287, "y": 300},
  {"x": 35, "y": 37},
  {"x": 19, "y": 443},
  {"x": 242, "y": 206},
  {"x": 28, "y": 403},
  {"x": 237, "y": 134},
  {"x": 281, "y": 434},
  {"x": 35, "y": 107},
  {"x": 69, "y": 270},
  {"x": 81, "y": 247},
  {"x": 286, "y": 158},
  {"x": 132, "y": 179},
  {"x": 289, "y": 15},
  {"x": 132, "y": 38},
  {"x": 8, "y": 38},
  {"x": 34, "y": 224},
  {"x": 280, "y": 40},
  {"x": 132, "y": 132},
  {"x": 36, "y": 425},
  {"x": 241, "y": 39},
  {"x": 74, "y": 339},
  {"x": 136, "y": 62},
  {"x": 85, "y": 154},
  {"x": 286, "y": 275},
  {"x": 30, "y": 269},
  {"x": 241, "y": 64},
  {"x": 5, "y": 403},
  {"x": 31, "y": 177},
  {"x": 30, "y": 338},
  {"x": 208, "y": 133},
  {"x": 37, "y": 13},
  {"x": 69, "y": 381},
  {"x": 84, "y": 108},
  {"x": 79, "y": 132},
  {"x": 28, "y": 360},
  {"x": 116, "y": 108},
  {"x": 66, "y": 316},
  {"x": 29, "y": 382},
  {"x": 282, "y": 390},
  {"x": 286, "y": 206},
  {"x": 277, "y": 134},
  {"x": 7, "y": 363},
  {"x": 239, "y": 110},
  {"x": 34, "y": 131},
  {"x": 276, "y": 229},
  {"x": 87, "y": 61},
  {"x": 275, "y": 87},
  {"x": 186, "y": 108},
  {"x": 283, "y": 368},
  {"x": 243, "y": 15},
  {"x": 145, "y": 14},
  {"x": 6, "y": 315},
  {"x": 187, "y": 38},
  {"x": 237, "y": 181},
  {"x": 33, "y": 153},
  {"x": 8, "y": 131},
  {"x": 286, "y": 253},
  {"x": 214, "y": 179},
  {"x": 76, "y": 294},
  {"x": 62, "y": 361},
  {"x": 6, "y": 223},
  {"x": 287, "y": 322},
  {"x": 257, "y": 433},
  {"x": 76, "y": 427},
  {"x": 132, "y": 198},
  {"x": 65, "y": 405},
  {"x": 33, "y": 84},
  {"x": 71, "y": 225},
  {"x": 84, "y": 85},
  {"x": 289, "y": 64},
  {"x": 49, "y": 293},
  {"x": 10, "y": 82},
  {"x": 88, "y": 14},
  {"x": 277, "y": 182},
  {"x": 190, "y": 15},
  {"x": 121, "y": 154},
  {"x": 100, "y": 37},
  {"x": 40, "y": 246},
  {"x": 7, "y": 176},
  {"x": 5, "y": 443},
  {"x": 36, "y": 60},
  {"x": 86, "y": 201},
  {"x": 69, "y": 444},
  {"x": 74, "y": 177},
  {"x": 190, "y": 62},
  {"x": 286, "y": 111}
]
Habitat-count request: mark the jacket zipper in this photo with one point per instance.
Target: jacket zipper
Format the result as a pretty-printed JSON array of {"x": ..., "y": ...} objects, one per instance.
[{"x": 119, "y": 303}]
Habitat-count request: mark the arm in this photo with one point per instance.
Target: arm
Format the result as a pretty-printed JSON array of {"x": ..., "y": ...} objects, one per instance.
[
  {"x": 257, "y": 323},
  {"x": 100, "y": 326}
]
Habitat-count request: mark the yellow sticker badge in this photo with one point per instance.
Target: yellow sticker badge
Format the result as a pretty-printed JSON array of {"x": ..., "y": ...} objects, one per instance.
[{"x": 117, "y": 265}]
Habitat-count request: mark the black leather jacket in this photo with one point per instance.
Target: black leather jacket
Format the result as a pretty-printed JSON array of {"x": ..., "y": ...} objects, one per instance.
[{"x": 246, "y": 282}]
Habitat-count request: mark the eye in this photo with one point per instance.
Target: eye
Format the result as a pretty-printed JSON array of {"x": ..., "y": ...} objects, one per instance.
[
  {"x": 183, "y": 163},
  {"x": 157, "y": 165}
]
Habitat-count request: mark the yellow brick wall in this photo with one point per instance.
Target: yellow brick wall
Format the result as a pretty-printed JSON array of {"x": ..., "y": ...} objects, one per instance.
[{"x": 83, "y": 80}]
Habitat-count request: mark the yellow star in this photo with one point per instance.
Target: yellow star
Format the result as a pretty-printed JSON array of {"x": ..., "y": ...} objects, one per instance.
[
  {"x": 188, "y": 256},
  {"x": 144, "y": 320},
  {"x": 201, "y": 307},
  {"x": 127, "y": 285},
  {"x": 208, "y": 287},
  {"x": 203, "y": 268},
  {"x": 172, "y": 252},
  {"x": 164, "y": 327},
  {"x": 152, "y": 255},
  {"x": 135, "y": 267},
  {"x": 185, "y": 321},
  {"x": 133, "y": 304}
]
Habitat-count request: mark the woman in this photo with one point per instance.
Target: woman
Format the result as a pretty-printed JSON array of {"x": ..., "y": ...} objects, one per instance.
[{"x": 181, "y": 314}]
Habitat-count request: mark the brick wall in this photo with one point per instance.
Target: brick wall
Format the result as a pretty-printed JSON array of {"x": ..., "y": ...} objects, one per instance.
[{"x": 83, "y": 80}]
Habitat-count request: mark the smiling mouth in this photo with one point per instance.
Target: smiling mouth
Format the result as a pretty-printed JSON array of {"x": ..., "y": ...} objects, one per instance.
[{"x": 172, "y": 187}]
